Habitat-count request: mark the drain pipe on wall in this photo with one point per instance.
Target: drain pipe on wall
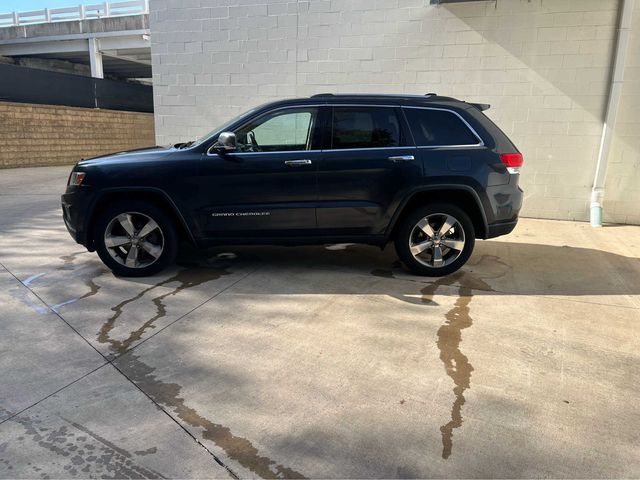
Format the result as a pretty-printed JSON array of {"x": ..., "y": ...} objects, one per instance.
[{"x": 615, "y": 92}]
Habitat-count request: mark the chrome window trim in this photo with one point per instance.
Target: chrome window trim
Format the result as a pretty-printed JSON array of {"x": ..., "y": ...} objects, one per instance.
[
  {"x": 450, "y": 146},
  {"x": 285, "y": 107},
  {"x": 317, "y": 105},
  {"x": 480, "y": 141},
  {"x": 265, "y": 153},
  {"x": 367, "y": 148}
]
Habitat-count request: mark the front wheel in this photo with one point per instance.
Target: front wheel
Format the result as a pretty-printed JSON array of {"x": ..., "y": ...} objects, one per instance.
[
  {"x": 135, "y": 239},
  {"x": 435, "y": 240}
]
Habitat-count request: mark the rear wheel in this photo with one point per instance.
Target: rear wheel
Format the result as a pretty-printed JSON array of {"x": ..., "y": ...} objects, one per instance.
[
  {"x": 135, "y": 239},
  {"x": 435, "y": 240}
]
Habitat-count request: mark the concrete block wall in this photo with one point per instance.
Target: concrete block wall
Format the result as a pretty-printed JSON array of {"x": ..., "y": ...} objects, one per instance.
[
  {"x": 544, "y": 65},
  {"x": 622, "y": 187},
  {"x": 37, "y": 135}
]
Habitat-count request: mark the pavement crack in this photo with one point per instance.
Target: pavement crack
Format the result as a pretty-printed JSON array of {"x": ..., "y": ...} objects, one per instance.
[{"x": 55, "y": 392}]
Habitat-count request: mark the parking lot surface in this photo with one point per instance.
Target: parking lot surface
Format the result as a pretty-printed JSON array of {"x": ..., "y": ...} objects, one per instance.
[{"x": 328, "y": 361}]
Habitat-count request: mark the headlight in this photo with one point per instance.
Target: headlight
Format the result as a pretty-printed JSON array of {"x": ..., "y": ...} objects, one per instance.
[{"x": 76, "y": 178}]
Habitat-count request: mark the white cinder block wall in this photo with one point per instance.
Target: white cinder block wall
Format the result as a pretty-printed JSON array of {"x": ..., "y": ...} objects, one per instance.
[
  {"x": 622, "y": 188},
  {"x": 544, "y": 65}
]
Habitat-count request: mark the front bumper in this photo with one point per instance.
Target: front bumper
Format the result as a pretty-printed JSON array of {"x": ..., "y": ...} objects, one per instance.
[{"x": 75, "y": 202}]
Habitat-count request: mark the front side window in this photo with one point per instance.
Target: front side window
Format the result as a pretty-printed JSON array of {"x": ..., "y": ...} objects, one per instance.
[
  {"x": 440, "y": 128},
  {"x": 365, "y": 127},
  {"x": 279, "y": 131}
]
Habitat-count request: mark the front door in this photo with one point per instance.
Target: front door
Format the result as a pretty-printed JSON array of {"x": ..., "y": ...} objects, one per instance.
[
  {"x": 267, "y": 187},
  {"x": 366, "y": 164}
]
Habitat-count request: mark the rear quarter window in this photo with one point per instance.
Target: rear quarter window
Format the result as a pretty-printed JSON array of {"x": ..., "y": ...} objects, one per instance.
[{"x": 433, "y": 128}]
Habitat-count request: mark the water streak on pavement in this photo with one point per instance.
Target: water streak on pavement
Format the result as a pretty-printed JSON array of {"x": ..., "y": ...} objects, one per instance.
[
  {"x": 168, "y": 394},
  {"x": 456, "y": 364},
  {"x": 187, "y": 278}
]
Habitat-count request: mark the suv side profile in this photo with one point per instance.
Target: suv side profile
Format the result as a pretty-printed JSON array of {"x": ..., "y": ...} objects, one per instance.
[{"x": 429, "y": 173}]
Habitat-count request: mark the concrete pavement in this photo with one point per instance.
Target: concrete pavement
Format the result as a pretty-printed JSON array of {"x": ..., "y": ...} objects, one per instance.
[{"x": 314, "y": 361}]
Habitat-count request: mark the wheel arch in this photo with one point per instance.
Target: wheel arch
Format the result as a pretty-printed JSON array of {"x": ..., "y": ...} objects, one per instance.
[
  {"x": 462, "y": 196},
  {"x": 154, "y": 196}
]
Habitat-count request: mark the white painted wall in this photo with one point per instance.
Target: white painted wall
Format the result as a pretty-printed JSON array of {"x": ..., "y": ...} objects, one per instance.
[{"x": 542, "y": 64}]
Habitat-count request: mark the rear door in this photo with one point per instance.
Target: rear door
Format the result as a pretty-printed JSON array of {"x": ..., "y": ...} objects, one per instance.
[
  {"x": 367, "y": 161},
  {"x": 449, "y": 149}
]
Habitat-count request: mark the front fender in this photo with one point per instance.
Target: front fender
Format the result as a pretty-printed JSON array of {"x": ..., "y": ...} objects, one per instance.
[{"x": 103, "y": 197}]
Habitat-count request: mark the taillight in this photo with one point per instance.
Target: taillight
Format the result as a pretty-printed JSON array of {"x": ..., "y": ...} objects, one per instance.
[{"x": 513, "y": 161}]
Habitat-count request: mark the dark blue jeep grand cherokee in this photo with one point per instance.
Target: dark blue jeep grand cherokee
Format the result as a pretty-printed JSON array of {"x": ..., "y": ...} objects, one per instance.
[{"x": 430, "y": 173}]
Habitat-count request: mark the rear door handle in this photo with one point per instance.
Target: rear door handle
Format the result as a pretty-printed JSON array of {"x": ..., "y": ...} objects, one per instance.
[
  {"x": 401, "y": 158},
  {"x": 297, "y": 163}
]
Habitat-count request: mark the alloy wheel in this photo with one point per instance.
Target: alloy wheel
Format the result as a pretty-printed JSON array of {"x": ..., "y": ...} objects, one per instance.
[
  {"x": 437, "y": 240},
  {"x": 134, "y": 239}
]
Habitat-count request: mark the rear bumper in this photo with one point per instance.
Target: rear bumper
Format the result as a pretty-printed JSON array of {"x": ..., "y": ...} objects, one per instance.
[
  {"x": 505, "y": 202},
  {"x": 499, "y": 229}
]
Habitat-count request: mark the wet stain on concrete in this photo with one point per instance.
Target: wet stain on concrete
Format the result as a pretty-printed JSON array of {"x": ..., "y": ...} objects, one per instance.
[
  {"x": 168, "y": 394},
  {"x": 93, "y": 290},
  {"x": 68, "y": 261},
  {"x": 187, "y": 278},
  {"x": 148, "y": 451},
  {"x": 456, "y": 364},
  {"x": 449, "y": 337},
  {"x": 79, "y": 451},
  {"x": 69, "y": 265}
]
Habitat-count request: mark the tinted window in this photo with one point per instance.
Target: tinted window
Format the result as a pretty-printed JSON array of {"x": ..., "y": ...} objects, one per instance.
[
  {"x": 438, "y": 127},
  {"x": 365, "y": 127},
  {"x": 280, "y": 131}
]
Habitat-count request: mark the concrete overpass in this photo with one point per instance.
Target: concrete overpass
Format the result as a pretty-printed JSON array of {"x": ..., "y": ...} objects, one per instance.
[{"x": 110, "y": 38}]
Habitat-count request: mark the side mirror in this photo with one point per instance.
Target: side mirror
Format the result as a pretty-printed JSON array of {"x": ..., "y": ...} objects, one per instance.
[{"x": 226, "y": 142}]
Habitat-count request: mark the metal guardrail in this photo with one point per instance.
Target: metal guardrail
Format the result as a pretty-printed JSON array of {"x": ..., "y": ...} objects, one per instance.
[{"x": 80, "y": 12}]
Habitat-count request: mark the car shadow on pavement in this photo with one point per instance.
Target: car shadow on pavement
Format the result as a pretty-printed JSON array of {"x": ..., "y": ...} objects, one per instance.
[{"x": 495, "y": 266}]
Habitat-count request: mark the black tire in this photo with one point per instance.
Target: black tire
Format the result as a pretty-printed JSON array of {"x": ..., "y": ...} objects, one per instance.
[
  {"x": 406, "y": 230},
  {"x": 166, "y": 237}
]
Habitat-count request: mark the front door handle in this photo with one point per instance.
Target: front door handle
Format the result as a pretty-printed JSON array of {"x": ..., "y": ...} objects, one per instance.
[
  {"x": 401, "y": 158},
  {"x": 297, "y": 163}
]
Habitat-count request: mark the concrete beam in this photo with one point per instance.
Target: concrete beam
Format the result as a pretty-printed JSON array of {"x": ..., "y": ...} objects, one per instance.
[
  {"x": 143, "y": 34},
  {"x": 53, "y": 45},
  {"x": 40, "y": 48}
]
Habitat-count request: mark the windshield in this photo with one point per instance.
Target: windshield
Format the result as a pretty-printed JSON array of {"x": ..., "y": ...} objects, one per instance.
[{"x": 222, "y": 128}]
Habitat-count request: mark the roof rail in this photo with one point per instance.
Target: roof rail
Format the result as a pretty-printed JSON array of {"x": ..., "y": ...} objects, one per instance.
[{"x": 401, "y": 95}]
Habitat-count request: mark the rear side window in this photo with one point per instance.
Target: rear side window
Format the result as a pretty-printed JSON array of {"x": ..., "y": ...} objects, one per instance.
[
  {"x": 365, "y": 127},
  {"x": 438, "y": 128}
]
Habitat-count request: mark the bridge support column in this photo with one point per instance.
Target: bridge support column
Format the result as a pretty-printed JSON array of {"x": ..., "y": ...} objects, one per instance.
[{"x": 95, "y": 58}]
